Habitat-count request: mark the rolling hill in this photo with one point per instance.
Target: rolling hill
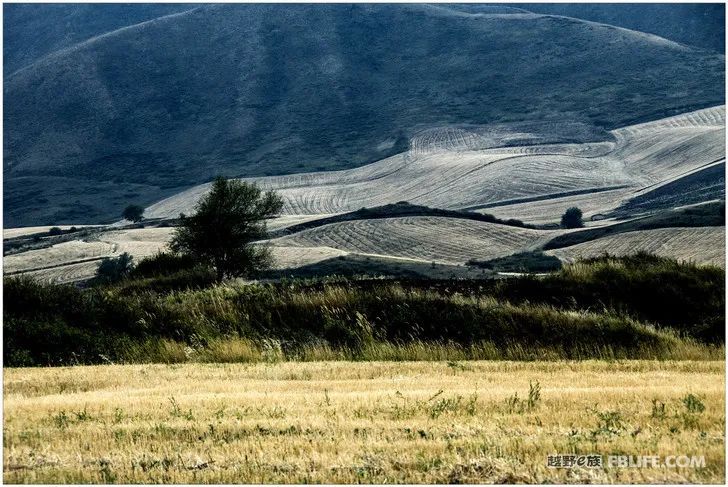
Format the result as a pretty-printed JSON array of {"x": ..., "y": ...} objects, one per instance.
[
  {"x": 149, "y": 109},
  {"x": 632, "y": 186},
  {"x": 535, "y": 183}
]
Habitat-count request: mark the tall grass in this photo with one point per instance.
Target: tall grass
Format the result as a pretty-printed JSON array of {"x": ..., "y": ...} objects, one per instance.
[
  {"x": 244, "y": 350},
  {"x": 593, "y": 309}
]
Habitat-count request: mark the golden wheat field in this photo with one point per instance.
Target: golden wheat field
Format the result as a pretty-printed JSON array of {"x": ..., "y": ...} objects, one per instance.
[{"x": 366, "y": 422}]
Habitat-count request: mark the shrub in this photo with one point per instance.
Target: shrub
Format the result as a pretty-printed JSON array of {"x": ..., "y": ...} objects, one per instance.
[
  {"x": 55, "y": 231},
  {"x": 198, "y": 277},
  {"x": 683, "y": 296},
  {"x": 693, "y": 404},
  {"x": 161, "y": 264},
  {"x": 114, "y": 269},
  {"x": 526, "y": 262},
  {"x": 588, "y": 310},
  {"x": 133, "y": 213}
]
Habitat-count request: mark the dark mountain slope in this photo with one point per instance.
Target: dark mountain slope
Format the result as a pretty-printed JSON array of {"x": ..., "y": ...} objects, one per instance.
[
  {"x": 696, "y": 24},
  {"x": 32, "y": 31},
  {"x": 265, "y": 89}
]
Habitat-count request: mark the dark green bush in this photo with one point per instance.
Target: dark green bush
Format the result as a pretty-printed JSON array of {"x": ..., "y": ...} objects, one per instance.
[
  {"x": 686, "y": 297},
  {"x": 198, "y": 277},
  {"x": 572, "y": 218},
  {"x": 162, "y": 264},
  {"x": 526, "y": 262}
]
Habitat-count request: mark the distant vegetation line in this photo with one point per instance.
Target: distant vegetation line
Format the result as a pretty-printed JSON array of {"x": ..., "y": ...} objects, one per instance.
[
  {"x": 702, "y": 185},
  {"x": 402, "y": 209}
]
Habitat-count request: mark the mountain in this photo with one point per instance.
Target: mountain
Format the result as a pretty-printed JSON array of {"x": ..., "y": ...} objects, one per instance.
[{"x": 139, "y": 113}]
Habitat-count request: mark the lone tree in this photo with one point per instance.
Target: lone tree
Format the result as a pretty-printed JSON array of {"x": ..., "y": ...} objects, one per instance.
[
  {"x": 226, "y": 223},
  {"x": 572, "y": 218},
  {"x": 133, "y": 213}
]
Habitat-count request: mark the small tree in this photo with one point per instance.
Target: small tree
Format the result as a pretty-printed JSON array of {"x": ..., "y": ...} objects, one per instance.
[
  {"x": 114, "y": 269},
  {"x": 226, "y": 223},
  {"x": 133, "y": 213},
  {"x": 572, "y": 218}
]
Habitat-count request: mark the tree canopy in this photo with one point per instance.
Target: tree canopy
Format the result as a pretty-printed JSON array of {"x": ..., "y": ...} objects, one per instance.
[
  {"x": 226, "y": 223},
  {"x": 572, "y": 218},
  {"x": 133, "y": 213}
]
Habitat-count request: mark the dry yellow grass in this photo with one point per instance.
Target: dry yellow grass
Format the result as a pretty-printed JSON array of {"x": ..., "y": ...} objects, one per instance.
[{"x": 349, "y": 422}]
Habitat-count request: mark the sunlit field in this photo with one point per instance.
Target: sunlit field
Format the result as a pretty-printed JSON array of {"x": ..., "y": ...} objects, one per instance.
[{"x": 369, "y": 422}]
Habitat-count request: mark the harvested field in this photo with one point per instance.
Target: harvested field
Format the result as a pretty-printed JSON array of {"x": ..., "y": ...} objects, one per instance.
[
  {"x": 286, "y": 221},
  {"x": 139, "y": 242},
  {"x": 550, "y": 210},
  {"x": 66, "y": 273},
  {"x": 292, "y": 257},
  {"x": 77, "y": 260},
  {"x": 442, "y": 180},
  {"x": 371, "y": 422},
  {"x": 63, "y": 253},
  {"x": 25, "y": 231},
  {"x": 430, "y": 239},
  {"x": 702, "y": 245}
]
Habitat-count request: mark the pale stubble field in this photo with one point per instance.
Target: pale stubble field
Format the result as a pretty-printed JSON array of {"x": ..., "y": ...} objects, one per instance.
[{"x": 371, "y": 422}]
